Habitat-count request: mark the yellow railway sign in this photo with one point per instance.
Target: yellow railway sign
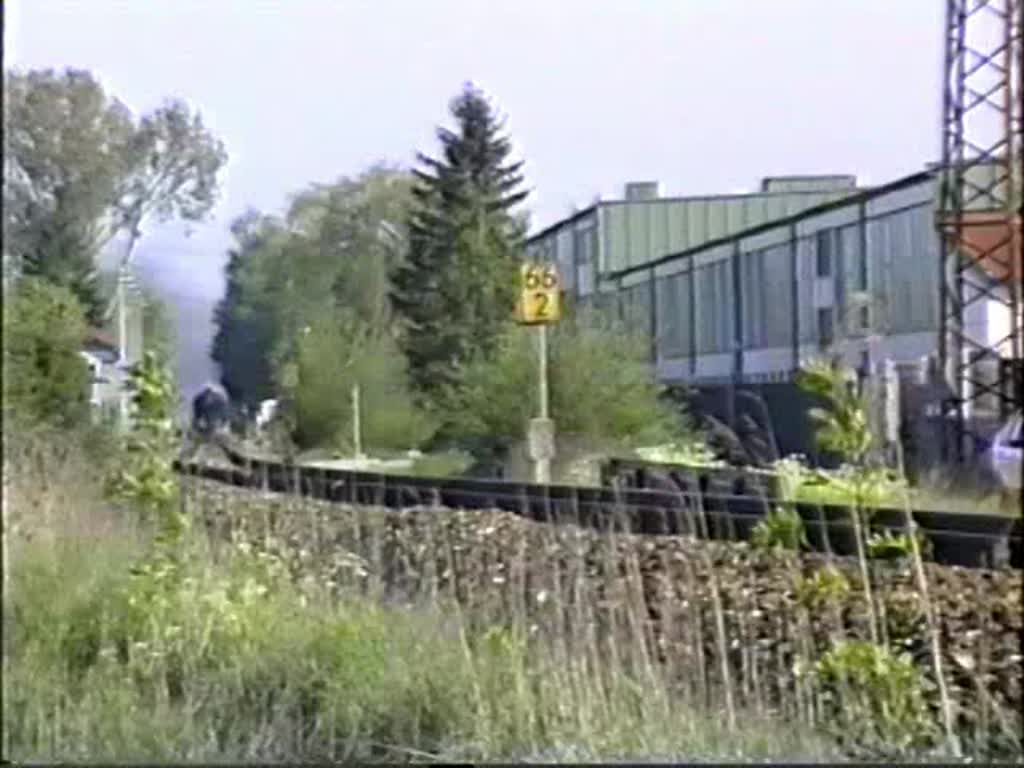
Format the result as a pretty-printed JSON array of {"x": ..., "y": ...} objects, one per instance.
[{"x": 539, "y": 295}]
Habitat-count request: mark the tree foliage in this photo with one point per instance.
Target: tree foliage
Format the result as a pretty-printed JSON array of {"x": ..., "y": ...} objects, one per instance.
[
  {"x": 45, "y": 378},
  {"x": 158, "y": 327},
  {"x": 498, "y": 396},
  {"x": 843, "y": 426},
  {"x": 245, "y": 317},
  {"x": 338, "y": 352},
  {"x": 145, "y": 475},
  {"x": 456, "y": 289},
  {"x": 79, "y": 169},
  {"x": 306, "y": 292}
]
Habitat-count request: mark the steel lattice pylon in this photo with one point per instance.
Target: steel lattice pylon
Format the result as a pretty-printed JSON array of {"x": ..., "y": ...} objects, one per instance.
[{"x": 981, "y": 338}]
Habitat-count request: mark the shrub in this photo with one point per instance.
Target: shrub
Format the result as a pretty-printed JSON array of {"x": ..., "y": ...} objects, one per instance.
[
  {"x": 781, "y": 529},
  {"x": 877, "y": 698},
  {"x": 336, "y": 353},
  {"x": 826, "y": 586},
  {"x": 45, "y": 378},
  {"x": 588, "y": 398},
  {"x": 886, "y": 545},
  {"x": 145, "y": 478}
]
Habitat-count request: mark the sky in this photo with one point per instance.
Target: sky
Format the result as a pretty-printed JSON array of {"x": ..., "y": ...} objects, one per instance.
[{"x": 705, "y": 96}]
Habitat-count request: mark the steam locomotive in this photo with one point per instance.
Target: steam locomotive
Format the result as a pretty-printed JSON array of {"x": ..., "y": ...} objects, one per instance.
[{"x": 211, "y": 412}]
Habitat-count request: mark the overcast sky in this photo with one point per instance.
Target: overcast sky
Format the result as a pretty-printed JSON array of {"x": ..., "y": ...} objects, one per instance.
[{"x": 706, "y": 96}]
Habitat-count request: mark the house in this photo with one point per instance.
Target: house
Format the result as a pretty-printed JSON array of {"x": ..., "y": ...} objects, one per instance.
[
  {"x": 100, "y": 352},
  {"x": 112, "y": 351}
]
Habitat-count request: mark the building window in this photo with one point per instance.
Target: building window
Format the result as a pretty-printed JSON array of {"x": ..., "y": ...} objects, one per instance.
[
  {"x": 826, "y": 327},
  {"x": 825, "y": 248}
]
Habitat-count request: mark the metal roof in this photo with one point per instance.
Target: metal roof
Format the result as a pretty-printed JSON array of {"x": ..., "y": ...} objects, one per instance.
[
  {"x": 852, "y": 199},
  {"x": 839, "y": 184}
]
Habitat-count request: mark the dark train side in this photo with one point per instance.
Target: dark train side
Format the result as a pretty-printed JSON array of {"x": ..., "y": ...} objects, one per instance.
[{"x": 637, "y": 498}]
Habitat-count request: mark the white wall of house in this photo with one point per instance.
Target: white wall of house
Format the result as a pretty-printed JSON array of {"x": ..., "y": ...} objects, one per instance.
[
  {"x": 107, "y": 380},
  {"x": 95, "y": 365}
]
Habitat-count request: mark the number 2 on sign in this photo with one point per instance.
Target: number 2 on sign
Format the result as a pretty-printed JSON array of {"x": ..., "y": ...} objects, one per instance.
[{"x": 540, "y": 305}]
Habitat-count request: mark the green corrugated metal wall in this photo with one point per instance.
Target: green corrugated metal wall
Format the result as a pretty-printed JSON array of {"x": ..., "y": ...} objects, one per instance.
[
  {"x": 634, "y": 233},
  {"x": 637, "y": 233}
]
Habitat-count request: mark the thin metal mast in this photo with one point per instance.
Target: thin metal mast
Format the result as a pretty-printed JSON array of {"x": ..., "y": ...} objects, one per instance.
[{"x": 981, "y": 337}]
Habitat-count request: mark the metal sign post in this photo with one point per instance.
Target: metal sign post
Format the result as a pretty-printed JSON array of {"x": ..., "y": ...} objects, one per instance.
[
  {"x": 541, "y": 438},
  {"x": 357, "y": 432},
  {"x": 539, "y": 305}
]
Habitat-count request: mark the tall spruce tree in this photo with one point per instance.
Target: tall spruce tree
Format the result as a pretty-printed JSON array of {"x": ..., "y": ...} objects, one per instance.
[{"x": 455, "y": 292}]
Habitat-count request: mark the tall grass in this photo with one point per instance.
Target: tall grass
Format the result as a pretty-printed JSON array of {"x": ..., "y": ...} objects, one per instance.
[{"x": 291, "y": 630}]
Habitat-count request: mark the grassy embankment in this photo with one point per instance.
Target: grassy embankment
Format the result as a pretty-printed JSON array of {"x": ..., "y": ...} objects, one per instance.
[{"x": 218, "y": 653}]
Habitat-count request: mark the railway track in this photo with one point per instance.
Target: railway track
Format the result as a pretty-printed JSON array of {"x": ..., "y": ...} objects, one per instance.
[{"x": 697, "y": 504}]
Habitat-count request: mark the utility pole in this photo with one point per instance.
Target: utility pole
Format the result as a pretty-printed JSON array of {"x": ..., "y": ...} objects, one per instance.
[
  {"x": 121, "y": 298},
  {"x": 122, "y": 343}
]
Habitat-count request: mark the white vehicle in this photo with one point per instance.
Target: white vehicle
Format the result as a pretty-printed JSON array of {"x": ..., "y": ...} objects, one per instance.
[{"x": 1007, "y": 451}]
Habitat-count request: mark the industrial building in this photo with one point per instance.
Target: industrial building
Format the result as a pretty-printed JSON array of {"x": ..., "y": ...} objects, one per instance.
[{"x": 742, "y": 290}]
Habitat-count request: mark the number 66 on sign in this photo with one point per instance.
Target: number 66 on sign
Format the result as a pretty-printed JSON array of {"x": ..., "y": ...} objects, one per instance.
[{"x": 538, "y": 295}]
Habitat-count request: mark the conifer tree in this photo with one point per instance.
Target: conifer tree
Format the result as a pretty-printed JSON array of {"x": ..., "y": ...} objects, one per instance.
[{"x": 454, "y": 294}]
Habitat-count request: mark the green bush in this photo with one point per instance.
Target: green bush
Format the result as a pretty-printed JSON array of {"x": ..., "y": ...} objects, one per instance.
[
  {"x": 336, "y": 353},
  {"x": 877, "y": 698},
  {"x": 145, "y": 476},
  {"x": 588, "y": 397},
  {"x": 885, "y": 545},
  {"x": 45, "y": 378},
  {"x": 782, "y": 530},
  {"x": 827, "y": 586},
  {"x": 449, "y": 464}
]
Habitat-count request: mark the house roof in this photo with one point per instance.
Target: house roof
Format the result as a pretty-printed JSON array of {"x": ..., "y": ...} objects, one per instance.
[
  {"x": 762, "y": 194},
  {"x": 853, "y": 199}
]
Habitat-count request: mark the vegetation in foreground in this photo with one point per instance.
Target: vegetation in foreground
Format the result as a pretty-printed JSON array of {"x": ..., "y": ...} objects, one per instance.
[
  {"x": 134, "y": 635},
  {"x": 129, "y": 639}
]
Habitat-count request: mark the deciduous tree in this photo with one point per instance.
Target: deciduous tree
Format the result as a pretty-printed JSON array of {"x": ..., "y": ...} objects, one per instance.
[
  {"x": 45, "y": 378},
  {"x": 332, "y": 251},
  {"x": 80, "y": 169}
]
